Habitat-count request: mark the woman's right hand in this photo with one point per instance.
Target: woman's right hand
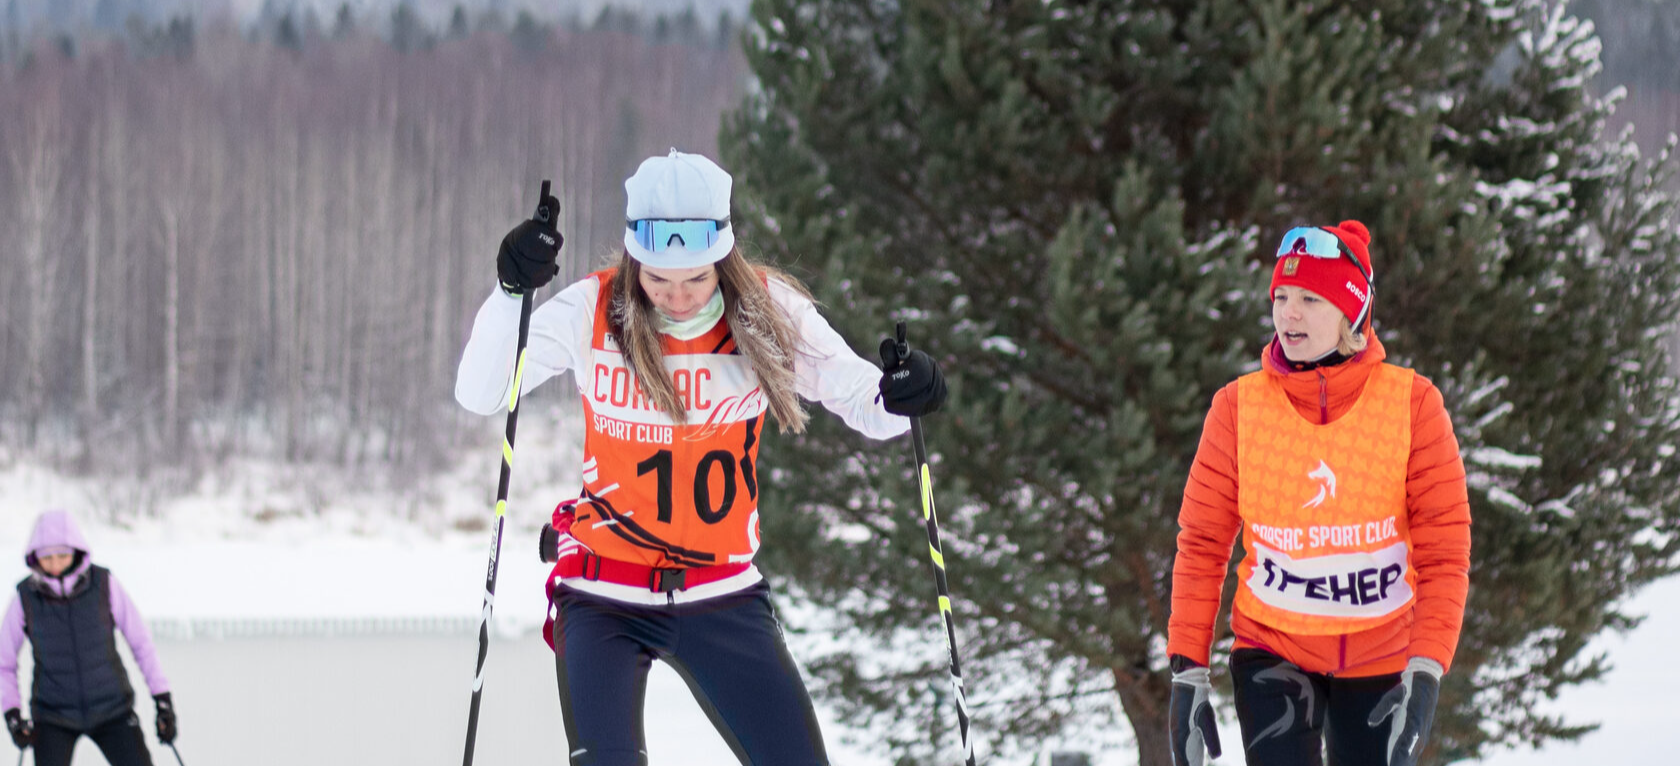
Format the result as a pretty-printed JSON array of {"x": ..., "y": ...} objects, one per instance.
[
  {"x": 1190, "y": 724},
  {"x": 23, "y": 732},
  {"x": 525, "y": 260}
]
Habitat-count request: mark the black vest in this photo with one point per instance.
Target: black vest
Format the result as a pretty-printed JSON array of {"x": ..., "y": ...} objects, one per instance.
[{"x": 80, "y": 681}]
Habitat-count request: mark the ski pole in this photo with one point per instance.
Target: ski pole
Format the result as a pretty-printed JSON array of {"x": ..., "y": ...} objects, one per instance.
[
  {"x": 901, "y": 348},
  {"x": 177, "y": 754},
  {"x": 546, "y": 215}
]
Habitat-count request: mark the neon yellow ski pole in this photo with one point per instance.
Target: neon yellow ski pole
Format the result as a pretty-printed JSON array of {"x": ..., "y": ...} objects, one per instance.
[
  {"x": 546, "y": 215},
  {"x": 900, "y": 349}
]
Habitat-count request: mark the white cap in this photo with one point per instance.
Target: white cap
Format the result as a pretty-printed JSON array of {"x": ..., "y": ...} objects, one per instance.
[{"x": 678, "y": 186}]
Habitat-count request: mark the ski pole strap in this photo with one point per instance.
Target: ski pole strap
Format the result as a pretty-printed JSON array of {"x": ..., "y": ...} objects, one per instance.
[{"x": 656, "y": 579}]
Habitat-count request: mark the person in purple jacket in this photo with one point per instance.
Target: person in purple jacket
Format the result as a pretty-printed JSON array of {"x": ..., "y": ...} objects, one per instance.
[{"x": 69, "y": 610}]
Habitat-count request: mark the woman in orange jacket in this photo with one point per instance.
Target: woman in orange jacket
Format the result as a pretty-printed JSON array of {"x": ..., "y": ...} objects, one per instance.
[{"x": 1344, "y": 479}]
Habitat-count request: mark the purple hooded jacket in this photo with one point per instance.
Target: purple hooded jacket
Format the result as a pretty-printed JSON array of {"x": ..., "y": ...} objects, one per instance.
[{"x": 53, "y": 529}]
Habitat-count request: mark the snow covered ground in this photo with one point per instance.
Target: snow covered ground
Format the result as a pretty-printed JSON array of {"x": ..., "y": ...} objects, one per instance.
[
  {"x": 345, "y": 632},
  {"x": 1635, "y": 703}
]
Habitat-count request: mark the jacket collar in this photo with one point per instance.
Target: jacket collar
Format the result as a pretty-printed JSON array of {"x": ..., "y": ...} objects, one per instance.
[
  {"x": 1342, "y": 383},
  {"x": 68, "y": 585}
]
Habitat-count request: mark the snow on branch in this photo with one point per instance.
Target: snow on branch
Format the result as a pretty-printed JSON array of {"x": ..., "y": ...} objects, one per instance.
[
  {"x": 1494, "y": 457},
  {"x": 1523, "y": 190}
]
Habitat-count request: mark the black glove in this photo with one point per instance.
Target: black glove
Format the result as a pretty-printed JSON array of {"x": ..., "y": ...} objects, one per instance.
[
  {"x": 23, "y": 732},
  {"x": 548, "y": 544},
  {"x": 526, "y": 258},
  {"x": 165, "y": 718},
  {"x": 1190, "y": 725},
  {"x": 1412, "y": 703},
  {"x": 910, "y": 385}
]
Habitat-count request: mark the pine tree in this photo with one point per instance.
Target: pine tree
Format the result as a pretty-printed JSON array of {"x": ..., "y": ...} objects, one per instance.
[
  {"x": 344, "y": 22},
  {"x": 1073, "y": 205},
  {"x": 408, "y": 30},
  {"x": 458, "y": 23},
  {"x": 286, "y": 34}
]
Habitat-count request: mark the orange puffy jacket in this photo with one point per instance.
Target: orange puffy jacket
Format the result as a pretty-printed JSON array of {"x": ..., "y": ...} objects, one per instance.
[{"x": 1438, "y": 510}]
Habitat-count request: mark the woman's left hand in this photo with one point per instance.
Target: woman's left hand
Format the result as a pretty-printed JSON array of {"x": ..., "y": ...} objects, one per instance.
[
  {"x": 1412, "y": 704},
  {"x": 165, "y": 718}
]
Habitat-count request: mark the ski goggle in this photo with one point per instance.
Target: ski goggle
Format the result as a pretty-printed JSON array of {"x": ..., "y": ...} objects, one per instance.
[
  {"x": 1314, "y": 242},
  {"x": 1318, "y": 243},
  {"x": 657, "y": 235}
]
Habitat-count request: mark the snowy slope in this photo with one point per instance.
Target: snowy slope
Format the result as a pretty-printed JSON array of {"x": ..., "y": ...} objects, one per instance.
[{"x": 247, "y": 587}]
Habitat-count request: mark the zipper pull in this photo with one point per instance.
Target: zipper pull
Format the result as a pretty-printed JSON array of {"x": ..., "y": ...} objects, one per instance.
[{"x": 1323, "y": 399}]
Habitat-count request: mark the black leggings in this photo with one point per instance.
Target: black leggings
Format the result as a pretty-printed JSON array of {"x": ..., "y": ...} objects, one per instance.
[
  {"x": 1289, "y": 716},
  {"x": 729, "y": 650},
  {"x": 120, "y": 739}
]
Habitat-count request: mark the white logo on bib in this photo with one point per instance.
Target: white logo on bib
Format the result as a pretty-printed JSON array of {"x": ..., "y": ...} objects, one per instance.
[{"x": 1326, "y": 479}]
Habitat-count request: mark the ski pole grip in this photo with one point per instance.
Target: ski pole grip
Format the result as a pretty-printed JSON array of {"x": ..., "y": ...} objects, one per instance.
[
  {"x": 544, "y": 214},
  {"x": 894, "y": 352}
]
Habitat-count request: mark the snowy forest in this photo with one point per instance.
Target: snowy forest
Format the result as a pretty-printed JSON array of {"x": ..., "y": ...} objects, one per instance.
[
  {"x": 263, "y": 232},
  {"x": 226, "y": 240}
]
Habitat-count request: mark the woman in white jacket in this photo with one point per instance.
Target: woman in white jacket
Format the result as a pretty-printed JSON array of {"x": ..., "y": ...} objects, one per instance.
[{"x": 656, "y": 556}]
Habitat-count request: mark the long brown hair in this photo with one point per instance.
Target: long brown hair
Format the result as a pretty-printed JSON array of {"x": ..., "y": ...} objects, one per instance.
[{"x": 763, "y": 332}]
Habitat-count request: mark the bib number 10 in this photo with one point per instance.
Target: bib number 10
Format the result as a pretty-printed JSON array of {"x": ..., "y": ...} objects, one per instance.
[{"x": 661, "y": 465}]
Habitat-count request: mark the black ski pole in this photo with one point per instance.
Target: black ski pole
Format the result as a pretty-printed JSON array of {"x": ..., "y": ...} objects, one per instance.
[
  {"x": 900, "y": 349},
  {"x": 177, "y": 754},
  {"x": 547, "y": 215}
]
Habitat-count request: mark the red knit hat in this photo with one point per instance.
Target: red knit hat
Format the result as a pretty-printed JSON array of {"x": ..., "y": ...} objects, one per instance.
[{"x": 1304, "y": 261}]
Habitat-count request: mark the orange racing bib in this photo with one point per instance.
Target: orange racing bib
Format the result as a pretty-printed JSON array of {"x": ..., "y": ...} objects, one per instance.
[
  {"x": 662, "y": 494},
  {"x": 1325, "y": 537}
]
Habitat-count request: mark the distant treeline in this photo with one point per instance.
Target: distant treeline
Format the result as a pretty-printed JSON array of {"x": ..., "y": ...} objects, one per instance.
[
  {"x": 273, "y": 240},
  {"x": 413, "y": 21}
]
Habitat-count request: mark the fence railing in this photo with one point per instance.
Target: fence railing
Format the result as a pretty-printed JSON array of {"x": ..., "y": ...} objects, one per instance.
[{"x": 219, "y": 628}]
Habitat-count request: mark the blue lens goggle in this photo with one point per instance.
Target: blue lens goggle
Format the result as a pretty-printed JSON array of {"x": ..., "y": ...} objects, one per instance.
[
  {"x": 1318, "y": 243},
  {"x": 657, "y": 235}
]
